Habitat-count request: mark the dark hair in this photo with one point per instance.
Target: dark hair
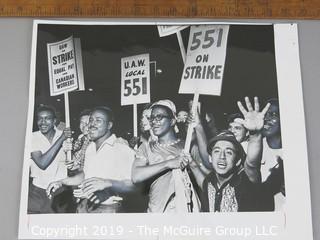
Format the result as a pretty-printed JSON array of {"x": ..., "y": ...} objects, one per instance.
[
  {"x": 231, "y": 117},
  {"x": 106, "y": 110},
  {"x": 85, "y": 112},
  {"x": 47, "y": 108},
  {"x": 168, "y": 110}
]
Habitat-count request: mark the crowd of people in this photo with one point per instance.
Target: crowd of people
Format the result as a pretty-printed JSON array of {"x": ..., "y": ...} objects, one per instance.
[{"x": 237, "y": 168}]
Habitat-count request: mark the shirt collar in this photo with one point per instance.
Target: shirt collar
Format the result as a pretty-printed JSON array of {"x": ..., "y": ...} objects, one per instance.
[
  {"x": 110, "y": 141},
  {"x": 233, "y": 181}
]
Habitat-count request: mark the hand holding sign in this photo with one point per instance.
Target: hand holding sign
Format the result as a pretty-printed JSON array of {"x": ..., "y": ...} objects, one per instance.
[{"x": 203, "y": 71}]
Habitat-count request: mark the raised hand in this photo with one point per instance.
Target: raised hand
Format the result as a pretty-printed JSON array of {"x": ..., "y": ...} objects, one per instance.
[{"x": 253, "y": 118}]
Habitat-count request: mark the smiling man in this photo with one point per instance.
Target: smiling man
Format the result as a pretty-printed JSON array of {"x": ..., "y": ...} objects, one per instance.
[
  {"x": 47, "y": 159},
  {"x": 107, "y": 168}
]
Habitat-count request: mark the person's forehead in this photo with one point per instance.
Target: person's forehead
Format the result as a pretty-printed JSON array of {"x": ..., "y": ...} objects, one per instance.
[
  {"x": 158, "y": 109},
  {"x": 84, "y": 117},
  {"x": 235, "y": 124},
  {"x": 44, "y": 113},
  {"x": 224, "y": 144},
  {"x": 99, "y": 114}
]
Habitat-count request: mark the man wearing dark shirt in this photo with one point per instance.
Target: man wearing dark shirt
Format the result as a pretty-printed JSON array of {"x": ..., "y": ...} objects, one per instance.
[{"x": 231, "y": 187}]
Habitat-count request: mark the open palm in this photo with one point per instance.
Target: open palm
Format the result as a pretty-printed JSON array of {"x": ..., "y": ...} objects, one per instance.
[{"x": 253, "y": 118}]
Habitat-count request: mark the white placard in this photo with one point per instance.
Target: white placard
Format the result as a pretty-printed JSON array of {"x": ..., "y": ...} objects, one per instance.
[
  {"x": 206, "y": 54},
  {"x": 63, "y": 75},
  {"x": 135, "y": 79},
  {"x": 166, "y": 30}
]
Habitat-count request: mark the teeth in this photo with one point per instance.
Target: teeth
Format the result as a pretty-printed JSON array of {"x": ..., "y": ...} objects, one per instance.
[{"x": 222, "y": 165}]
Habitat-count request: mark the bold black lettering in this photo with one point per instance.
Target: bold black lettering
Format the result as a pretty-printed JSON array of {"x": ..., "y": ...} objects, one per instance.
[
  {"x": 140, "y": 62},
  {"x": 198, "y": 72},
  {"x": 186, "y": 73},
  {"x": 217, "y": 74},
  {"x": 210, "y": 72}
]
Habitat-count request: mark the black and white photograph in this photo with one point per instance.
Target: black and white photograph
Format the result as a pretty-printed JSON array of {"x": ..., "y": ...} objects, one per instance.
[{"x": 147, "y": 122}]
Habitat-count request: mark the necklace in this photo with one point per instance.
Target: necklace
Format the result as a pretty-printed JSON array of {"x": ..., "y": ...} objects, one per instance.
[{"x": 168, "y": 144}]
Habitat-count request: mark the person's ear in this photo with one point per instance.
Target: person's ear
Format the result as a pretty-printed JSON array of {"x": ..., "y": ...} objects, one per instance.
[
  {"x": 210, "y": 159},
  {"x": 54, "y": 121},
  {"x": 110, "y": 125}
]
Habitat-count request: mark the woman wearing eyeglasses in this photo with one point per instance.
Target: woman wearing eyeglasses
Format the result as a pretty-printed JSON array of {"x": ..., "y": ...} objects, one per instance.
[{"x": 162, "y": 164}]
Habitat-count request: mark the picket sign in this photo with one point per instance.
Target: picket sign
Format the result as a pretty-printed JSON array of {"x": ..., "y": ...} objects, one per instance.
[
  {"x": 204, "y": 66},
  {"x": 135, "y": 83},
  {"x": 166, "y": 30},
  {"x": 65, "y": 72}
]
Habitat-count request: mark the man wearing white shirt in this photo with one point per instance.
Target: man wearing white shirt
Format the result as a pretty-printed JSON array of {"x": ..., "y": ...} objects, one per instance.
[
  {"x": 47, "y": 160},
  {"x": 107, "y": 167}
]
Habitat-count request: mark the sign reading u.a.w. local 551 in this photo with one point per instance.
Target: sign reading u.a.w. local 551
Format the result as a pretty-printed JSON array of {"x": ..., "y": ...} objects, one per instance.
[
  {"x": 206, "y": 54},
  {"x": 135, "y": 79}
]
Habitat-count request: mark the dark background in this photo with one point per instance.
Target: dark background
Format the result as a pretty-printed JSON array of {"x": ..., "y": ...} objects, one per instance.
[{"x": 250, "y": 69}]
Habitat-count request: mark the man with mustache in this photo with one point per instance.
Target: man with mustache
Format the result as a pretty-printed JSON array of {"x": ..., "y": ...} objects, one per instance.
[
  {"x": 107, "y": 168},
  {"x": 48, "y": 160}
]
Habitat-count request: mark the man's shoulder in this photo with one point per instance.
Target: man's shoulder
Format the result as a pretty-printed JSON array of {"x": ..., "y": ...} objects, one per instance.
[
  {"x": 211, "y": 177},
  {"x": 122, "y": 144}
]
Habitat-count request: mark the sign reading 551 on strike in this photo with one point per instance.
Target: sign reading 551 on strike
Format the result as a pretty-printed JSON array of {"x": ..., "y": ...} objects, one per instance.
[
  {"x": 135, "y": 79},
  {"x": 206, "y": 54}
]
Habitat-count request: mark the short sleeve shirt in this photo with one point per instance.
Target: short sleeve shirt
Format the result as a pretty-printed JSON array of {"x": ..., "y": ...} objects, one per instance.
[
  {"x": 56, "y": 170},
  {"x": 113, "y": 160}
]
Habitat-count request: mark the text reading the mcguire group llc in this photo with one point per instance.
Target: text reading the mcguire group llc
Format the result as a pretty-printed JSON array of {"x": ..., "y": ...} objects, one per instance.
[{"x": 118, "y": 231}]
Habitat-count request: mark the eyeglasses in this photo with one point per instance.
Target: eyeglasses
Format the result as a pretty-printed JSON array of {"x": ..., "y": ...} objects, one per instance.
[{"x": 158, "y": 117}]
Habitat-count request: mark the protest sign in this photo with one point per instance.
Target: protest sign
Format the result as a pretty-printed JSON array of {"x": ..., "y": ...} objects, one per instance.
[
  {"x": 204, "y": 66},
  {"x": 65, "y": 71},
  {"x": 62, "y": 64},
  {"x": 203, "y": 70},
  {"x": 135, "y": 83},
  {"x": 135, "y": 79},
  {"x": 166, "y": 30}
]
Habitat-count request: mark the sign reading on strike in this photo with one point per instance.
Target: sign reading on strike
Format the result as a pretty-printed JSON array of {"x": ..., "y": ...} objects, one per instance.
[
  {"x": 63, "y": 75},
  {"x": 206, "y": 54},
  {"x": 166, "y": 30},
  {"x": 135, "y": 79}
]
